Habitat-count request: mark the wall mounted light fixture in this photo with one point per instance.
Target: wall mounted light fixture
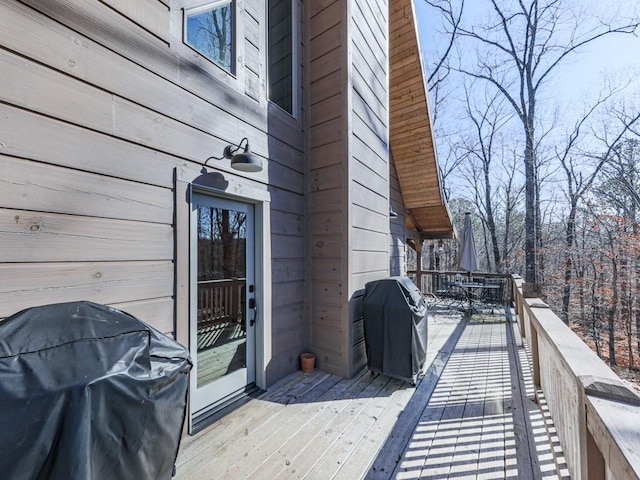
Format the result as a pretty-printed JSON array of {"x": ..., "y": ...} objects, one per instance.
[{"x": 245, "y": 161}]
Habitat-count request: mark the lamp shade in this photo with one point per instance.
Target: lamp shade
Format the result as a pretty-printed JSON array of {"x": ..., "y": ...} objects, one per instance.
[{"x": 246, "y": 162}]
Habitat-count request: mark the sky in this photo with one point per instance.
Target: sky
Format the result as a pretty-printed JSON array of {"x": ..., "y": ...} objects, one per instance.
[{"x": 616, "y": 55}]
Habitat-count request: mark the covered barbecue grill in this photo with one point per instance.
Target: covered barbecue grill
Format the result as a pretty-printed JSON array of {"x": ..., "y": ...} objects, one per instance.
[
  {"x": 395, "y": 328},
  {"x": 88, "y": 391}
]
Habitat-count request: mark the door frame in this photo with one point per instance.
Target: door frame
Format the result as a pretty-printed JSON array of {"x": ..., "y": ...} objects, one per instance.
[
  {"x": 236, "y": 378},
  {"x": 244, "y": 191}
]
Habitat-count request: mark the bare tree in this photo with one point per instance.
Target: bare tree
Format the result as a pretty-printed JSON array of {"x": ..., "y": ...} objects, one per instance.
[
  {"x": 487, "y": 121},
  {"x": 518, "y": 50},
  {"x": 511, "y": 194},
  {"x": 621, "y": 188},
  {"x": 448, "y": 161},
  {"x": 451, "y": 16},
  {"x": 580, "y": 180}
]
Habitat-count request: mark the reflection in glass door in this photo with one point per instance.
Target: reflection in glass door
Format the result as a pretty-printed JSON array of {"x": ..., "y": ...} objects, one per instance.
[{"x": 222, "y": 325}]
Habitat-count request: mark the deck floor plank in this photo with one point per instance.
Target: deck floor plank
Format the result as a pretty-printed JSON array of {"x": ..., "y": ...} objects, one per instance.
[
  {"x": 341, "y": 451},
  {"x": 316, "y": 441},
  {"x": 243, "y": 454},
  {"x": 403, "y": 431},
  {"x": 317, "y": 419},
  {"x": 470, "y": 417},
  {"x": 235, "y": 432}
]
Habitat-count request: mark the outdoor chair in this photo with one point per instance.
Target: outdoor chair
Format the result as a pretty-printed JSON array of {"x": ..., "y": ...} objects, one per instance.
[
  {"x": 493, "y": 297},
  {"x": 476, "y": 295},
  {"x": 446, "y": 292}
]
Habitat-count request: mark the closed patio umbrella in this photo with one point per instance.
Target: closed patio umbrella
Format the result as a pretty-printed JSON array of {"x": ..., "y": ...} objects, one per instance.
[{"x": 468, "y": 259}]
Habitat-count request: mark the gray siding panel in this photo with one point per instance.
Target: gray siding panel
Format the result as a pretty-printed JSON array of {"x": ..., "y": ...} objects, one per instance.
[
  {"x": 189, "y": 87},
  {"x": 117, "y": 103},
  {"x": 159, "y": 309},
  {"x": 375, "y": 15},
  {"x": 288, "y": 270},
  {"x": 326, "y": 82},
  {"x": 151, "y": 15},
  {"x": 100, "y": 102},
  {"x": 252, "y": 58},
  {"x": 369, "y": 157},
  {"x": 327, "y": 109},
  {"x": 286, "y": 172},
  {"x": 327, "y": 132},
  {"x": 287, "y": 294},
  {"x": 369, "y": 220},
  {"x": 28, "y": 236},
  {"x": 368, "y": 102},
  {"x": 367, "y": 262},
  {"x": 349, "y": 170},
  {"x": 364, "y": 196},
  {"x": 104, "y": 282},
  {"x": 372, "y": 180},
  {"x": 108, "y": 27},
  {"x": 324, "y": 201},
  {"x": 287, "y": 246},
  {"x": 71, "y": 146},
  {"x": 31, "y": 186},
  {"x": 327, "y": 186},
  {"x": 371, "y": 132},
  {"x": 287, "y": 202},
  {"x": 397, "y": 237},
  {"x": 41, "y": 89}
]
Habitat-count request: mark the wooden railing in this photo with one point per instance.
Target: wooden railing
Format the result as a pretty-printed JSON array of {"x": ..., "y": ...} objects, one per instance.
[
  {"x": 430, "y": 280},
  {"x": 220, "y": 300},
  {"x": 597, "y": 417}
]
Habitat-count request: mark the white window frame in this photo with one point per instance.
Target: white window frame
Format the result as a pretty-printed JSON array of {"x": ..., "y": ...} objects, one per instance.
[{"x": 211, "y": 5}]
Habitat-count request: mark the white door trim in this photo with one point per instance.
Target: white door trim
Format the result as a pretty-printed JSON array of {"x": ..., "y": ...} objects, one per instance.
[{"x": 208, "y": 397}]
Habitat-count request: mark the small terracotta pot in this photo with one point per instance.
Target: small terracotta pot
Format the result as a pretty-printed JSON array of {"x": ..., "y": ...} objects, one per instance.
[{"x": 307, "y": 362}]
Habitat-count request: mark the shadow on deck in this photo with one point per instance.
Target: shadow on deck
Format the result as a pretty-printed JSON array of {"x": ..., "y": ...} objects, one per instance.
[{"x": 473, "y": 415}]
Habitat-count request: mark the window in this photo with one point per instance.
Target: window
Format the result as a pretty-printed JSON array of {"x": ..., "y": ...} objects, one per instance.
[
  {"x": 281, "y": 54},
  {"x": 209, "y": 29}
]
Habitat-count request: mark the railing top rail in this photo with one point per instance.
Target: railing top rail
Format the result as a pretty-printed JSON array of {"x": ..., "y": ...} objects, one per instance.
[
  {"x": 225, "y": 280},
  {"x": 463, "y": 273}
]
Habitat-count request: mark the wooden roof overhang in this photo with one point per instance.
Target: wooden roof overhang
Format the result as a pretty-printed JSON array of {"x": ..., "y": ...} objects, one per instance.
[{"x": 411, "y": 137}]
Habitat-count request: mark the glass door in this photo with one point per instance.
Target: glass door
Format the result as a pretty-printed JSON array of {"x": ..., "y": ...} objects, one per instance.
[{"x": 223, "y": 309}]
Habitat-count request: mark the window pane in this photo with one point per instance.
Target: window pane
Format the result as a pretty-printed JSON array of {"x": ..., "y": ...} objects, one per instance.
[
  {"x": 210, "y": 32},
  {"x": 281, "y": 54},
  {"x": 222, "y": 272},
  {"x": 221, "y": 243}
]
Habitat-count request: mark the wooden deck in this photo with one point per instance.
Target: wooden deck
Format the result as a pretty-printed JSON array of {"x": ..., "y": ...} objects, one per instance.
[{"x": 472, "y": 416}]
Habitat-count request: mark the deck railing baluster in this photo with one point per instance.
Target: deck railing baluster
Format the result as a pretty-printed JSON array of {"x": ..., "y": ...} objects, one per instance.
[{"x": 219, "y": 300}]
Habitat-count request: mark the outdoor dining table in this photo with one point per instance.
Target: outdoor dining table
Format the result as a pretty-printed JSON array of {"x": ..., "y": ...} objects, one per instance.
[{"x": 468, "y": 288}]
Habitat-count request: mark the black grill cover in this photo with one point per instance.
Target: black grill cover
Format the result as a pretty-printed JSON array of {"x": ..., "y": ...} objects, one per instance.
[
  {"x": 395, "y": 328},
  {"x": 89, "y": 392}
]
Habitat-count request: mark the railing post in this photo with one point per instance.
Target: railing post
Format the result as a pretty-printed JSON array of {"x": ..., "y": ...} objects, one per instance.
[
  {"x": 535, "y": 355},
  {"x": 518, "y": 299},
  {"x": 235, "y": 299},
  {"x": 419, "y": 266},
  {"x": 595, "y": 466}
]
